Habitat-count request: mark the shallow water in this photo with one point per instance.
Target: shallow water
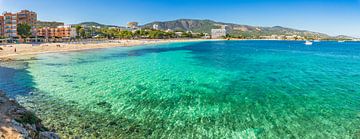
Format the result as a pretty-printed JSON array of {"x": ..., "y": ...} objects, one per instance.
[{"x": 214, "y": 89}]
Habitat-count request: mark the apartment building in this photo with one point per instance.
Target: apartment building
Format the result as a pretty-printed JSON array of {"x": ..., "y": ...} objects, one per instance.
[
  {"x": 11, "y": 20},
  {"x": 2, "y": 26},
  {"x": 58, "y": 32},
  {"x": 218, "y": 33}
]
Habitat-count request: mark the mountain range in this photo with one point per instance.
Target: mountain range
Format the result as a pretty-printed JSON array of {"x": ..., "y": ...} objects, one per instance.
[{"x": 205, "y": 26}]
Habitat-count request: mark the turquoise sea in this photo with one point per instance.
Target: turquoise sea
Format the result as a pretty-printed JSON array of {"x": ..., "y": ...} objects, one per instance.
[{"x": 209, "y": 89}]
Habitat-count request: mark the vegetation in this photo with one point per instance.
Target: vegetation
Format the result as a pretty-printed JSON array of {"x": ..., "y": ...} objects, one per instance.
[
  {"x": 27, "y": 118},
  {"x": 40, "y": 24},
  {"x": 24, "y": 30},
  {"x": 94, "y": 24},
  {"x": 242, "y": 31},
  {"x": 83, "y": 32},
  {"x": 118, "y": 33}
]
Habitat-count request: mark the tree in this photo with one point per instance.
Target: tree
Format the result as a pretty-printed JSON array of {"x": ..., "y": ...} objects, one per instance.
[
  {"x": 125, "y": 34},
  {"x": 187, "y": 35},
  {"x": 24, "y": 30},
  {"x": 82, "y": 33},
  {"x": 78, "y": 27}
]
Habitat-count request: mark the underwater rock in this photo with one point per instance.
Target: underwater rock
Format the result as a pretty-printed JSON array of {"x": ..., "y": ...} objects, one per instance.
[
  {"x": 48, "y": 135},
  {"x": 17, "y": 122}
]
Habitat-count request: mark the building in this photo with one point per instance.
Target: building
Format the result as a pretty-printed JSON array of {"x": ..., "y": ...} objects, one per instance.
[
  {"x": 58, "y": 32},
  {"x": 11, "y": 20},
  {"x": 10, "y": 25},
  {"x": 156, "y": 26},
  {"x": 2, "y": 26},
  {"x": 27, "y": 17},
  {"x": 218, "y": 33},
  {"x": 133, "y": 25}
]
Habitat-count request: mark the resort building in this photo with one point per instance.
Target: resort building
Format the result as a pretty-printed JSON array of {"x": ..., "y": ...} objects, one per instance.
[
  {"x": 58, "y": 32},
  {"x": 11, "y": 20},
  {"x": 2, "y": 26},
  {"x": 133, "y": 25},
  {"x": 156, "y": 26},
  {"x": 218, "y": 33}
]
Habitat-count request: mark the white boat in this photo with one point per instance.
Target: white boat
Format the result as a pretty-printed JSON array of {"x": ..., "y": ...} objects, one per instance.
[
  {"x": 341, "y": 41},
  {"x": 316, "y": 40},
  {"x": 308, "y": 43}
]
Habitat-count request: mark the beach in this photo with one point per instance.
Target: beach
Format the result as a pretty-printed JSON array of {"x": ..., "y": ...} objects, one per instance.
[{"x": 10, "y": 51}]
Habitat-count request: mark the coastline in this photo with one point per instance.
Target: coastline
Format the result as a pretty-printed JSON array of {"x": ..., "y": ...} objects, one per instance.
[
  {"x": 8, "y": 51},
  {"x": 16, "y": 122}
]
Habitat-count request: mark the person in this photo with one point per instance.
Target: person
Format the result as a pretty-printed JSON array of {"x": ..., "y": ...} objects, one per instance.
[{"x": 15, "y": 50}]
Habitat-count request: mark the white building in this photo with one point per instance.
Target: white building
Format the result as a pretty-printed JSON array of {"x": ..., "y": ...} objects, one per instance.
[
  {"x": 133, "y": 25},
  {"x": 156, "y": 26},
  {"x": 73, "y": 33},
  {"x": 218, "y": 33}
]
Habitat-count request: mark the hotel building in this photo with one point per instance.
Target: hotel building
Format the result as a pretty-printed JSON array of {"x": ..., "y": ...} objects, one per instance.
[
  {"x": 133, "y": 25},
  {"x": 219, "y": 33},
  {"x": 9, "y": 22},
  {"x": 2, "y": 26},
  {"x": 58, "y": 32}
]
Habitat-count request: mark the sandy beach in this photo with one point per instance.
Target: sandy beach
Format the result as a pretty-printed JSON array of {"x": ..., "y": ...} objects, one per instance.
[{"x": 7, "y": 51}]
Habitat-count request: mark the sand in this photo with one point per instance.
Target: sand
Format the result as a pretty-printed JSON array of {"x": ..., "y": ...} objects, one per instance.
[{"x": 8, "y": 50}]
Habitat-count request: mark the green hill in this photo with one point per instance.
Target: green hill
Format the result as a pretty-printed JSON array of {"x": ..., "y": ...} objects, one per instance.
[
  {"x": 205, "y": 26},
  {"x": 95, "y": 24},
  {"x": 53, "y": 24}
]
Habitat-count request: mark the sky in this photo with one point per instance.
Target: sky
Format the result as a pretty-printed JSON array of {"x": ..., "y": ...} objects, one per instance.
[{"x": 333, "y": 17}]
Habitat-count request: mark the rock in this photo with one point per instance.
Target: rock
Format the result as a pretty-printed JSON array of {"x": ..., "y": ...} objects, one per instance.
[
  {"x": 20, "y": 129},
  {"x": 48, "y": 135},
  {"x": 20, "y": 111},
  {"x": 12, "y": 100},
  {"x": 21, "y": 123},
  {"x": 30, "y": 127}
]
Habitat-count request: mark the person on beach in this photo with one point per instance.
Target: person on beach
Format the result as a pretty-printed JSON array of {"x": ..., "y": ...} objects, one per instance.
[{"x": 15, "y": 50}]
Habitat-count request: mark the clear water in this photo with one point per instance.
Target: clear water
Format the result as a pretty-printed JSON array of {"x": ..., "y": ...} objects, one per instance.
[{"x": 220, "y": 89}]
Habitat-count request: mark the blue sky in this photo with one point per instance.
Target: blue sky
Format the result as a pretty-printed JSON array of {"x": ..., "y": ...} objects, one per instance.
[{"x": 333, "y": 17}]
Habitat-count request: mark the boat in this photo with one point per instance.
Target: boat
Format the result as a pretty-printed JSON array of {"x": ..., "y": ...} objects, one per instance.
[
  {"x": 341, "y": 41},
  {"x": 316, "y": 40},
  {"x": 308, "y": 43}
]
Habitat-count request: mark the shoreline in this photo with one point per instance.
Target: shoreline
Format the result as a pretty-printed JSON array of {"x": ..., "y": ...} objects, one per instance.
[
  {"x": 17, "y": 122},
  {"x": 22, "y": 50}
]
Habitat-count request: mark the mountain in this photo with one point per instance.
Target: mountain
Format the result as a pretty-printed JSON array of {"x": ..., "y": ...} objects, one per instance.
[
  {"x": 95, "y": 24},
  {"x": 344, "y": 37},
  {"x": 53, "y": 24},
  {"x": 205, "y": 26}
]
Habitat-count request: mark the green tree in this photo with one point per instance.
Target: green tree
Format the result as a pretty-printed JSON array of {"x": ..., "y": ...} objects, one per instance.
[
  {"x": 78, "y": 27},
  {"x": 125, "y": 34},
  {"x": 187, "y": 35},
  {"x": 24, "y": 30},
  {"x": 82, "y": 33}
]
